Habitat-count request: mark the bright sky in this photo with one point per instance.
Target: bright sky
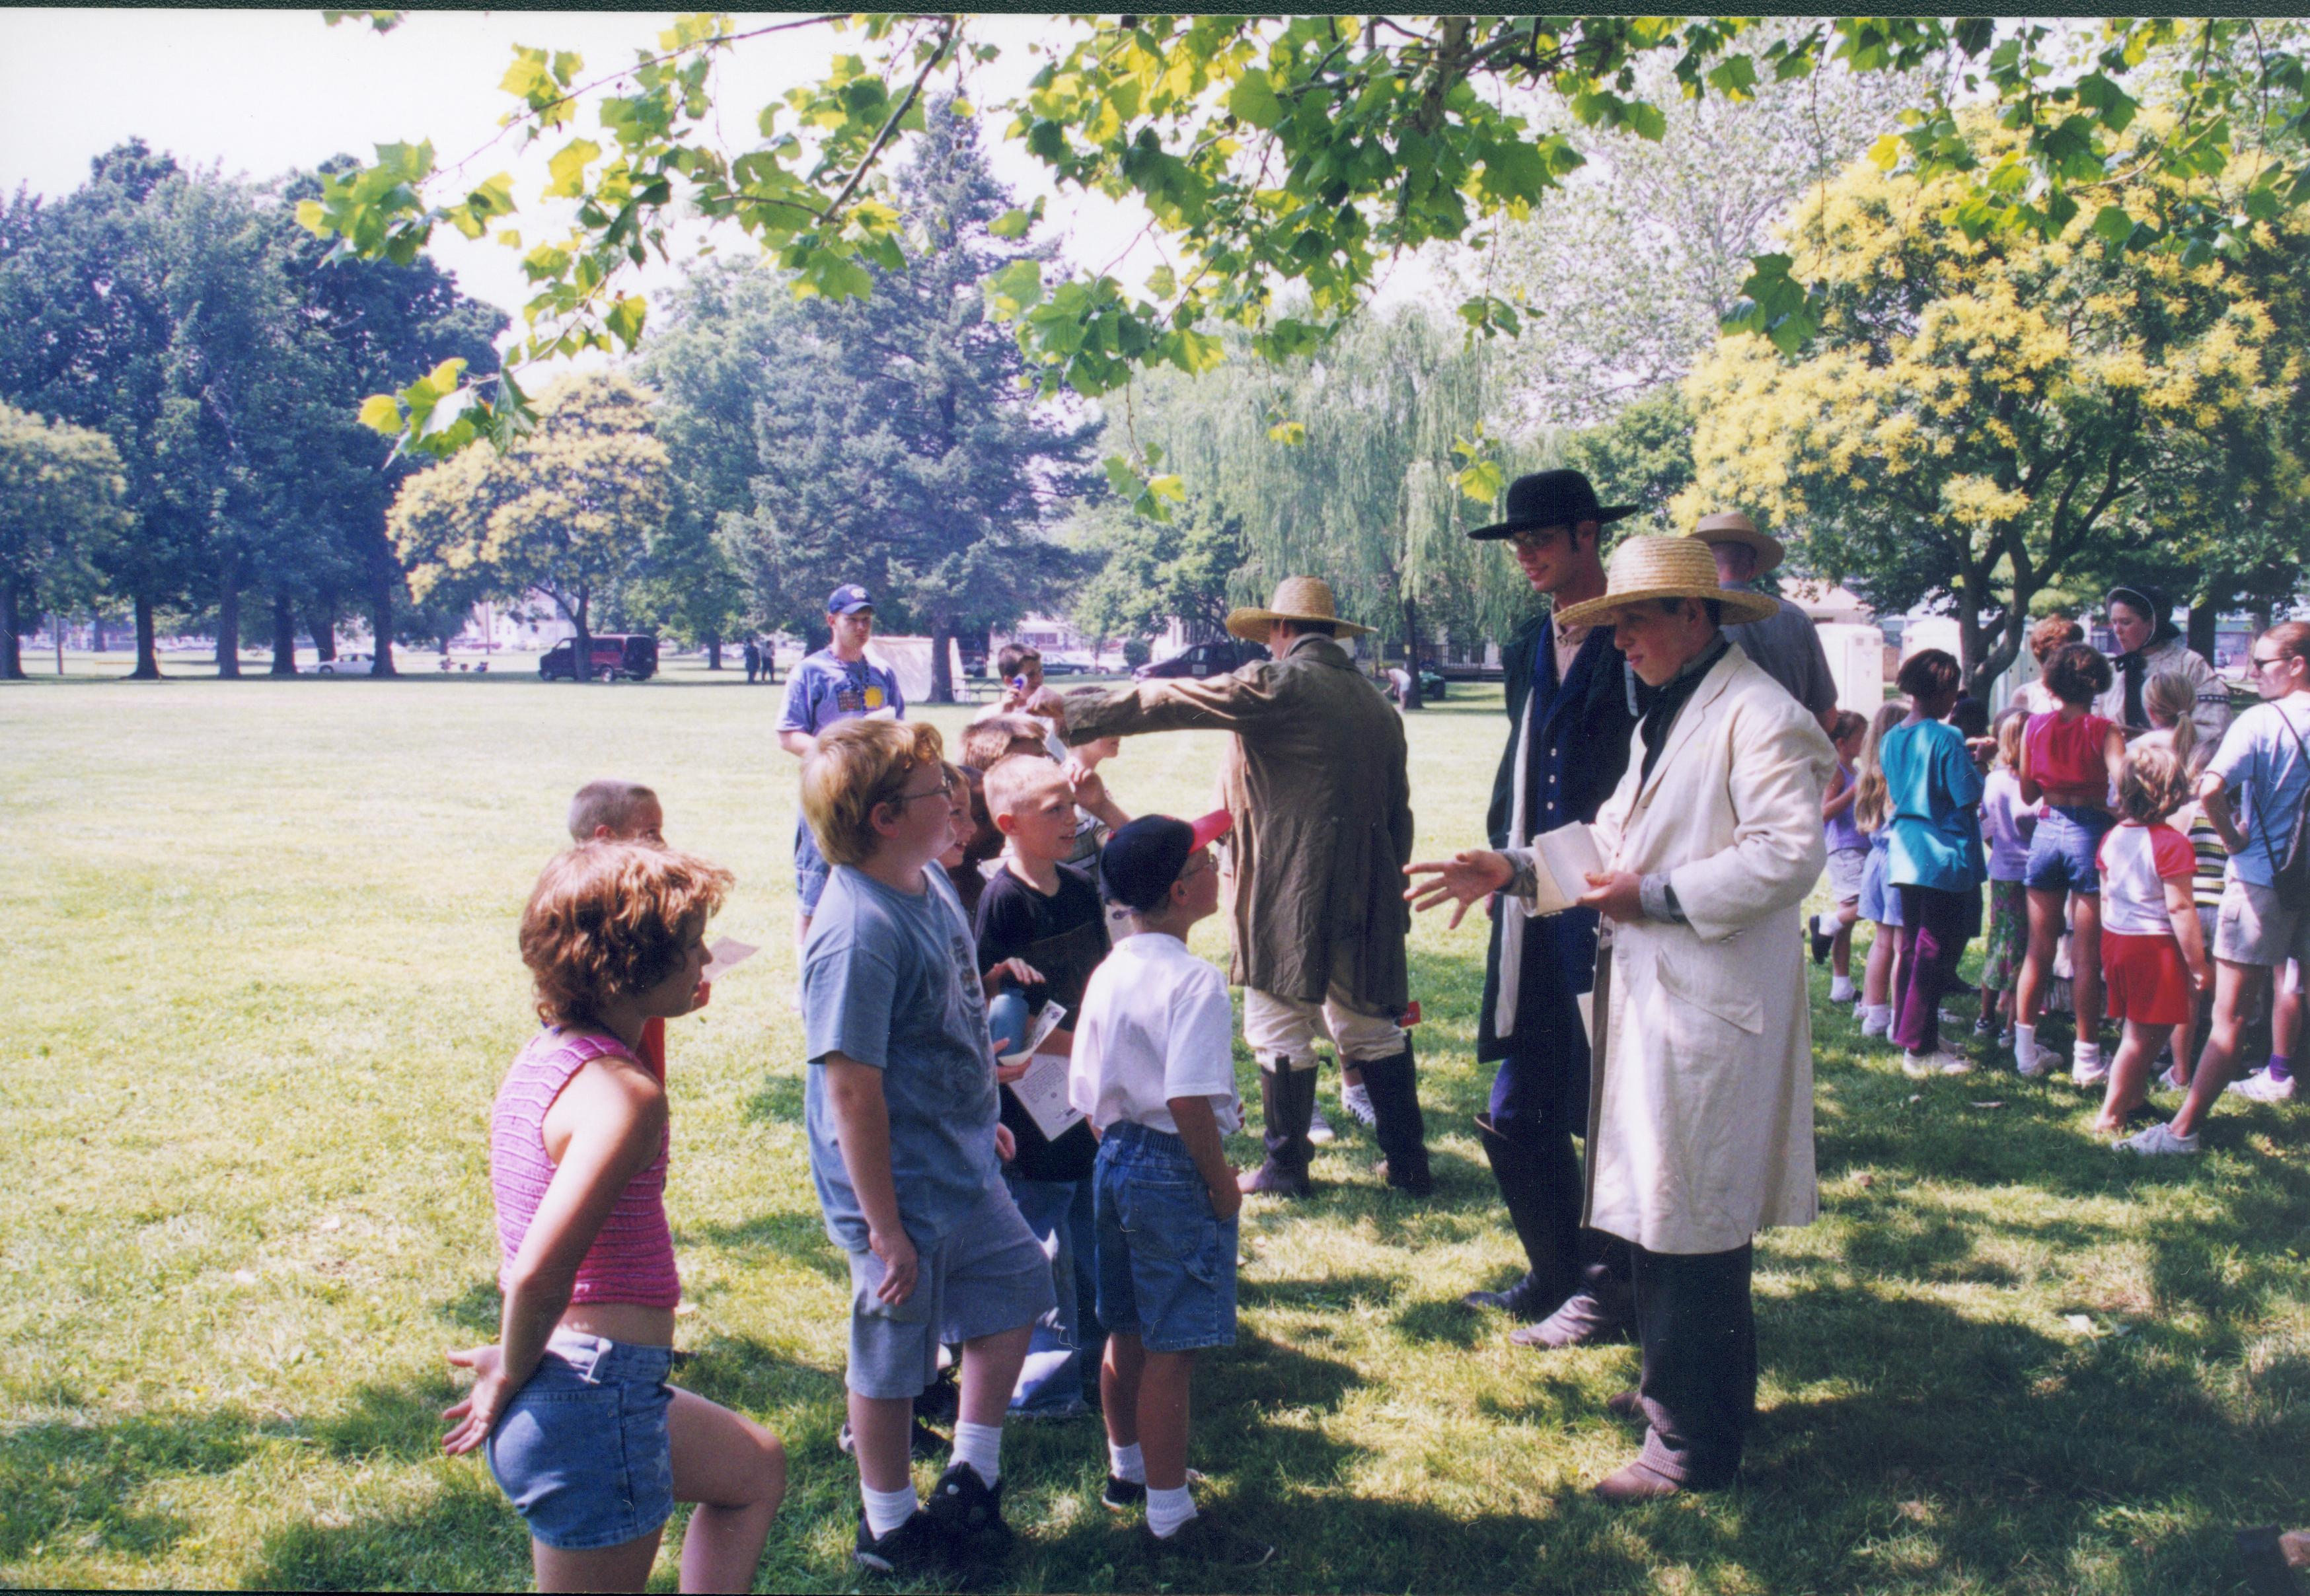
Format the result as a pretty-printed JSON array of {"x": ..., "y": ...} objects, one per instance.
[{"x": 258, "y": 94}]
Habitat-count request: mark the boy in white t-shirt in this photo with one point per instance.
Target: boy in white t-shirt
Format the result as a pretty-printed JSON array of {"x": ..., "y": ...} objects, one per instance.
[{"x": 1154, "y": 1067}]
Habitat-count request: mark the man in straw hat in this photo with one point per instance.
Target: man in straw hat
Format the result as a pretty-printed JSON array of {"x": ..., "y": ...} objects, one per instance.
[
  {"x": 1315, "y": 779},
  {"x": 1571, "y": 710},
  {"x": 1700, "y": 1110},
  {"x": 1785, "y": 643}
]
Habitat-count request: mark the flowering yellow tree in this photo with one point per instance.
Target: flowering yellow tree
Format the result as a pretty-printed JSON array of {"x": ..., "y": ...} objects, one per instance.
[{"x": 1983, "y": 413}]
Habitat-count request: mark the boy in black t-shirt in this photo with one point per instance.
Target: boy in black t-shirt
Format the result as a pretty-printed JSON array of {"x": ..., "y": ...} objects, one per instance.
[{"x": 1048, "y": 915}]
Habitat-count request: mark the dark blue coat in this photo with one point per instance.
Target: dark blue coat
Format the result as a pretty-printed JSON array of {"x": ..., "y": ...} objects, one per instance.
[{"x": 1579, "y": 748}]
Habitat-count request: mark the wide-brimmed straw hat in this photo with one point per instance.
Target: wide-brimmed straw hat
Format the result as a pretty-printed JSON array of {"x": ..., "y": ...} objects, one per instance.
[
  {"x": 1297, "y": 598},
  {"x": 1657, "y": 567},
  {"x": 1731, "y": 526}
]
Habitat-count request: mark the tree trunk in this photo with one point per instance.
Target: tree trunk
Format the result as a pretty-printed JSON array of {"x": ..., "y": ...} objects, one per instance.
[
  {"x": 284, "y": 636},
  {"x": 1411, "y": 700},
  {"x": 581, "y": 661},
  {"x": 941, "y": 671},
  {"x": 714, "y": 651},
  {"x": 12, "y": 660},
  {"x": 325, "y": 627},
  {"x": 382, "y": 574},
  {"x": 228, "y": 635},
  {"x": 2201, "y": 630},
  {"x": 95, "y": 632},
  {"x": 148, "y": 652},
  {"x": 56, "y": 636}
]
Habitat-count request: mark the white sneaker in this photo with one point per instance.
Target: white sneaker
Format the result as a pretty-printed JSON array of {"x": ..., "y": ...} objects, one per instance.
[
  {"x": 1319, "y": 1129},
  {"x": 1840, "y": 989},
  {"x": 2082, "y": 1073},
  {"x": 1919, "y": 1065},
  {"x": 2172, "y": 1082},
  {"x": 1357, "y": 1101},
  {"x": 1877, "y": 1021},
  {"x": 2158, "y": 1138},
  {"x": 2035, "y": 1067},
  {"x": 2259, "y": 1087}
]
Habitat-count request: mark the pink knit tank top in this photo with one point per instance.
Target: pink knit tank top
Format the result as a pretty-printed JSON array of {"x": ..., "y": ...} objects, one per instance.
[{"x": 631, "y": 1259}]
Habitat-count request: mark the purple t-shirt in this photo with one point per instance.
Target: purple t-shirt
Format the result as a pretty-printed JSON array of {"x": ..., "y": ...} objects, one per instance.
[{"x": 2006, "y": 823}]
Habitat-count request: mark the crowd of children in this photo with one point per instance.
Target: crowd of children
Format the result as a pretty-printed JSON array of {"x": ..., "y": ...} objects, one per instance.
[
  {"x": 2119, "y": 882},
  {"x": 1020, "y": 1078}
]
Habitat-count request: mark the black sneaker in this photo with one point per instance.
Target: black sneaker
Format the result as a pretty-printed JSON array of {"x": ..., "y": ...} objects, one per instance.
[
  {"x": 1820, "y": 944},
  {"x": 1206, "y": 1539},
  {"x": 1123, "y": 1494},
  {"x": 969, "y": 1512},
  {"x": 915, "y": 1550}
]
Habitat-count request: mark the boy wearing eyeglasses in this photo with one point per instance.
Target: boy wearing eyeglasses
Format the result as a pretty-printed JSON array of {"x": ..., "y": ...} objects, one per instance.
[{"x": 905, "y": 1147}]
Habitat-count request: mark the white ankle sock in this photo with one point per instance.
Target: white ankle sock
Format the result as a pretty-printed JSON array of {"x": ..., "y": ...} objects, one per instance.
[
  {"x": 2086, "y": 1054},
  {"x": 981, "y": 1447},
  {"x": 1124, "y": 1462},
  {"x": 887, "y": 1509},
  {"x": 2024, "y": 1046},
  {"x": 1840, "y": 989},
  {"x": 1169, "y": 1511}
]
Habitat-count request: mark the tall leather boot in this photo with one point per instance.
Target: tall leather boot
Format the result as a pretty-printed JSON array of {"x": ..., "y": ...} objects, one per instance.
[
  {"x": 1286, "y": 1098},
  {"x": 1533, "y": 1193},
  {"x": 1401, "y": 1131}
]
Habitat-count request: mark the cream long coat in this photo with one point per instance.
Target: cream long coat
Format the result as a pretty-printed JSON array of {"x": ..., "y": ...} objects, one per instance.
[{"x": 1700, "y": 1099}]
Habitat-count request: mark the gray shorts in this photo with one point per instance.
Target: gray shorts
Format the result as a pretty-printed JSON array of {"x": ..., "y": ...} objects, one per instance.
[
  {"x": 2253, "y": 927},
  {"x": 987, "y": 1275},
  {"x": 1845, "y": 868}
]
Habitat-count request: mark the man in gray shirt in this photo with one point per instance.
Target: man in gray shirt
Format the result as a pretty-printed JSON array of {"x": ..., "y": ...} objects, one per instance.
[{"x": 1784, "y": 645}]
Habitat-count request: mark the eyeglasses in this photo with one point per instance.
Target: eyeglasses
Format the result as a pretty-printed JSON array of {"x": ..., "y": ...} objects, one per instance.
[
  {"x": 945, "y": 789},
  {"x": 2262, "y": 662}
]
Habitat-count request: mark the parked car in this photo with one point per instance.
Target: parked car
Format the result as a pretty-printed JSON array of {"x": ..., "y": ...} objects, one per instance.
[
  {"x": 1064, "y": 667},
  {"x": 346, "y": 664},
  {"x": 630, "y": 655},
  {"x": 1214, "y": 658}
]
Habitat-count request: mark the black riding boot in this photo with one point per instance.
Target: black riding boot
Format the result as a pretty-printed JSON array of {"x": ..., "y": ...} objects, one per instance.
[
  {"x": 1535, "y": 1186},
  {"x": 1286, "y": 1098},
  {"x": 1401, "y": 1131}
]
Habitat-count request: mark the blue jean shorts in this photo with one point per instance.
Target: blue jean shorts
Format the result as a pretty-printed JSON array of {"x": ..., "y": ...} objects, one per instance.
[
  {"x": 1878, "y": 902},
  {"x": 2062, "y": 852},
  {"x": 1166, "y": 1261},
  {"x": 987, "y": 1275},
  {"x": 582, "y": 1449},
  {"x": 810, "y": 868}
]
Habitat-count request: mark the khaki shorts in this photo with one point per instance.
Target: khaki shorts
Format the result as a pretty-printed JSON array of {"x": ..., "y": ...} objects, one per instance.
[
  {"x": 2253, "y": 927},
  {"x": 1282, "y": 1031}
]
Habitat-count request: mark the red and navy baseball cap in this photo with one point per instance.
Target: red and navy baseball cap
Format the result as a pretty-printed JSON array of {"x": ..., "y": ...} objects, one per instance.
[
  {"x": 848, "y": 600},
  {"x": 1144, "y": 857}
]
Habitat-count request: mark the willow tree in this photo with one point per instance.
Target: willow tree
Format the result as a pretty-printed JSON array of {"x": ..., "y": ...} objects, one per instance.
[
  {"x": 1984, "y": 414},
  {"x": 1353, "y": 464}
]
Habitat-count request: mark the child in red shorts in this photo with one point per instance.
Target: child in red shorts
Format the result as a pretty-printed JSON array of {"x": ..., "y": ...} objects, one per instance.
[{"x": 2153, "y": 954}]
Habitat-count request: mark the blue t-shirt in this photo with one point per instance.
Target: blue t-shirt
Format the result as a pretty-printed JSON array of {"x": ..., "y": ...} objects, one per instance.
[
  {"x": 826, "y": 688},
  {"x": 2269, "y": 781},
  {"x": 1934, "y": 795},
  {"x": 891, "y": 980}
]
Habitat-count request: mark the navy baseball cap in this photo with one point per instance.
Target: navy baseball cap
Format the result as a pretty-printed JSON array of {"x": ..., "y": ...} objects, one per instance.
[
  {"x": 848, "y": 600},
  {"x": 1144, "y": 857}
]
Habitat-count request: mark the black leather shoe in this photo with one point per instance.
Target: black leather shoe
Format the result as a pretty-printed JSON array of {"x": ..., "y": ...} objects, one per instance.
[
  {"x": 1530, "y": 1299},
  {"x": 1636, "y": 1483},
  {"x": 1581, "y": 1321}
]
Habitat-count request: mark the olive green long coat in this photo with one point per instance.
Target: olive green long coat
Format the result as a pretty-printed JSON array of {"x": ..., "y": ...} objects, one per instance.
[{"x": 1315, "y": 780}]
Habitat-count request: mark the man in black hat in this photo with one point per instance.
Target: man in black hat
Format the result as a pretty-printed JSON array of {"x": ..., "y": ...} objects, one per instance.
[{"x": 1571, "y": 703}]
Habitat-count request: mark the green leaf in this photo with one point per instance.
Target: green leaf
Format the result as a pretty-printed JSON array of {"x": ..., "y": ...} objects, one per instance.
[
  {"x": 1289, "y": 432},
  {"x": 2111, "y": 224},
  {"x": 567, "y": 65},
  {"x": 1647, "y": 121},
  {"x": 1162, "y": 283},
  {"x": 1015, "y": 288},
  {"x": 1253, "y": 98},
  {"x": 381, "y": 413},
  {"x": 1482, "y": 482},
  {"x": 625, "y": 320},
  {"x": 1011, "y": 224},
  {"x": 569, "y": 169}
]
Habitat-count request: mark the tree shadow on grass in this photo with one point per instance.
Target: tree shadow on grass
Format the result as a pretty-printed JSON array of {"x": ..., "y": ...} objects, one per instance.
[
  {"x": 778, "y": 1101},
  {"x": 793, "y": 1234},
  {"x": 80, "y": 1481},
  {"x": 467, "y": 1538},
  {"x": 479, "y": 1309}
]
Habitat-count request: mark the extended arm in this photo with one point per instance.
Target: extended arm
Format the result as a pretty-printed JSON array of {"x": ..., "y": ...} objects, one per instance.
[{"x": 1227, "y": 703}]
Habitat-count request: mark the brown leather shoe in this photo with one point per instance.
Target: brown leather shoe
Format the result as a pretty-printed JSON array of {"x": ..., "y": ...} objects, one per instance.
[
  {"x": 1635, "y": 1483},
  {"x": 1579, "y": 1320},
  {"x": 1624, "y": 1404}
]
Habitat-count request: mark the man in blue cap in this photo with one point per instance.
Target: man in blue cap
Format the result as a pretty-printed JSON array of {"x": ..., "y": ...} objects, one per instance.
[
  {"x": 1571, "y": 703},
  {"x": 837, "y": 683}
]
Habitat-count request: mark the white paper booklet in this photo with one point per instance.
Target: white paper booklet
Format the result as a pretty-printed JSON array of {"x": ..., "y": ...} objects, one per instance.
[
  {"x": 727, "y": 954},
  {"x": 1563, "y": 860},
  {"x": 1042, "y": 1091},
  {"x": 1045, "y": 1024}
]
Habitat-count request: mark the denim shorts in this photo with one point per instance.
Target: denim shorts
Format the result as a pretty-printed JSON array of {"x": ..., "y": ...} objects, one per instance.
[
  {"x": 1878, "y": 902},
  {"x": 810, "y": 868},
  {"x": 1166, "y": 1261},
  {"x": 582, "y": 1449},
  {"x": 2062, "y": 851},
  {"x": 987, "y": 1275}
]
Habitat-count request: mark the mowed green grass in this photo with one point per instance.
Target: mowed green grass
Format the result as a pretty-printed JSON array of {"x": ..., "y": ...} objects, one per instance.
[{"x": 260, "y": 983}]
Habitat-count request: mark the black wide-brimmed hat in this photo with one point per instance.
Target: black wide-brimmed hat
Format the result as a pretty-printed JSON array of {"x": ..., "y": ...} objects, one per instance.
[{"x": 1551, "y": 498}]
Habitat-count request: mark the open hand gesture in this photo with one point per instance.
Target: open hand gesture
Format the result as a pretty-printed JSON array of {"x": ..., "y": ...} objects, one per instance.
[
  {"x": 1468, "y": 876},
  {"x": 472, "y": 1418}
]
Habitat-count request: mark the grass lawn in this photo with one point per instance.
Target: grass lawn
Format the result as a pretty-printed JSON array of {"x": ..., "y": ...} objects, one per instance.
[{"x": 261, "y": 983}]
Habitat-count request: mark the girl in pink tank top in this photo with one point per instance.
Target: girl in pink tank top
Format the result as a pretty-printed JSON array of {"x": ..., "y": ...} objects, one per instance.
[{"x": 571, "y": 1406}]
